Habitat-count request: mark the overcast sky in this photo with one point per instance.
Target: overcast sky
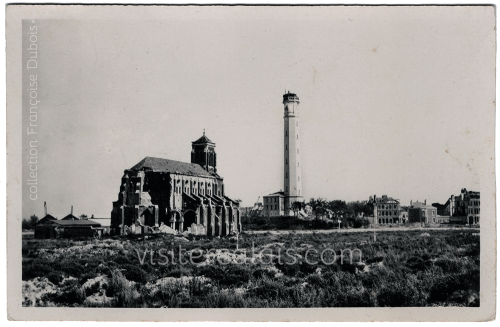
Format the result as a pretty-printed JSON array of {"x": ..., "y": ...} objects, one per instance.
[{"x": 394, "y": 102}]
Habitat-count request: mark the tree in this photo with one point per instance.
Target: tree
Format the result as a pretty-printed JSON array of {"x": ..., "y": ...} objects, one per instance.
[
  {"x": 368, "y": 209},
  {"x": 29, "y": 223},
  {"x": 84, "y": 217},
  {"x": 297, "y": 206},
  {"x": 339, "y": 210},
  {"x": 318, "y": 206},
  {"x": 337, "y": 205}
]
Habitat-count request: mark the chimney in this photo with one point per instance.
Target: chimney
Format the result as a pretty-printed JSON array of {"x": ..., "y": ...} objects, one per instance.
[
  {"x": 45, "y": 207},
  {"x": 425, "y": 202},
  {"x": 71, "y": 210},
  {"x": 411, "y": 203}
]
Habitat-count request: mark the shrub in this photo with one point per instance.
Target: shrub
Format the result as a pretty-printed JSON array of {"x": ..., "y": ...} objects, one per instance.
[
  {"x": 269, "y": 289},
  {"x": 179, "y": 272},
  {"x": 224, "y": 300},
  {"x": 448, "y": 265},
  {"x": 315, "y": 280},
  {"x": 123, "y": 291},
  {"x": 74, "y": 295},
  {"x": 235, "y": 275},
  {"x": 442, "y": 289},
  {"x": 354, "y": 297},
  {"x": 418, "y": 263},
  {"x": 135, "y": 273},
  {"x": 87, "y": 275},
  {"x": 36, "y": 268},
  {"x": 394, "y": 297},
  {"x": 358, "y": 222},
  {"x": 94, "y": 288},
  {"x": 55, "y": 277},
  {"x": 263, "y": 272},
  {"x": 70, "y": 267}
]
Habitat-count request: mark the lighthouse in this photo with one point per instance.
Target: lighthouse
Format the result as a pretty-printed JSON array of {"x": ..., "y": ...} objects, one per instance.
[{"x": 292, "y": 169}]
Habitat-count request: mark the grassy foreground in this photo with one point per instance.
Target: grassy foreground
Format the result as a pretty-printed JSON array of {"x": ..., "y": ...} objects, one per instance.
[{"x": 399, "y": 269}]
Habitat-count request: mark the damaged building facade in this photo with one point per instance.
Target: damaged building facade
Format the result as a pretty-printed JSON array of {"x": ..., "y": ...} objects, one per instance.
[
  {"x": 386, "y": 210},
  {"x": 183, "y": 196}
]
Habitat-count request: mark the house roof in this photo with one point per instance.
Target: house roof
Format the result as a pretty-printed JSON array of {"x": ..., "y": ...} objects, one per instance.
[
  {"x": 81, "y": 222},
  {"x": 47, "y": 218},
  {"x": 70, "y": 217},
  {"x": 202, "y": 140},
  {"x": 384, "y": 199},
  {"x": 172, "y": 166},
  {"x": 281, "y": 193}
]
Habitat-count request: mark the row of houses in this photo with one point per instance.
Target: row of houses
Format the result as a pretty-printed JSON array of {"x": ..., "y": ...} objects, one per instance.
[{"x": 458, "y": 209}]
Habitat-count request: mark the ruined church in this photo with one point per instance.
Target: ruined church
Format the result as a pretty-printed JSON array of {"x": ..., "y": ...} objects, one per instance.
[{"x": 184, "y": 196}]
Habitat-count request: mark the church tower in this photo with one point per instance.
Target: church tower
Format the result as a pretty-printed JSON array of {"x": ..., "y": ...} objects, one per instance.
[
  {"x": 203, "y": 153},
  {"x": 293, "y": 183}
]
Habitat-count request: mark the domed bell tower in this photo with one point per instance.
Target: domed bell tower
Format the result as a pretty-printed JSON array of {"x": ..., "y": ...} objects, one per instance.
[{"x": 203, "y": 153}]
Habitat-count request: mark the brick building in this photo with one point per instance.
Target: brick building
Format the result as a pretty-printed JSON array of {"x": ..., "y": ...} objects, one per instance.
[{"x": 178, "y": 194}]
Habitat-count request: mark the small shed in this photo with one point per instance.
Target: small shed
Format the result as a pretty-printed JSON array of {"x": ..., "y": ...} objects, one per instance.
[{"x": 68, "y": 228}]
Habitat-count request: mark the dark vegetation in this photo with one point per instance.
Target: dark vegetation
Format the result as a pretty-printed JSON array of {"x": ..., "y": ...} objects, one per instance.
[
  {"x": 294, "y": 223},
  {"x": 399, "y": 269},
  {"x": 29, "y": 223}
]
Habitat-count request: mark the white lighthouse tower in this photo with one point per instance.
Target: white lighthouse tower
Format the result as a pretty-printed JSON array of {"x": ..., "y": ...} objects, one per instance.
[{"x": 293, "y": 183}]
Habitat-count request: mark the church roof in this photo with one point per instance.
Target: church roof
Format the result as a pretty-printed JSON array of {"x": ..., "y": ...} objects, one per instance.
[
  {"x": 202, "y": 140},
  {"x": 172, "y": 166}
]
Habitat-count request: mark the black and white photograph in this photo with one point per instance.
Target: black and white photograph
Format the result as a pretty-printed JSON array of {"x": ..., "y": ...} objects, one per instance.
[{"x": 178, "y": 158}]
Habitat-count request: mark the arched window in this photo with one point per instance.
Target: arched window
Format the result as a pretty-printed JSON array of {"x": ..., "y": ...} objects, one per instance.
[
  {"x": 297, "y": 151},
  {"x": 297, "y": 136},
  {"x": 298, "y": 178}
]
